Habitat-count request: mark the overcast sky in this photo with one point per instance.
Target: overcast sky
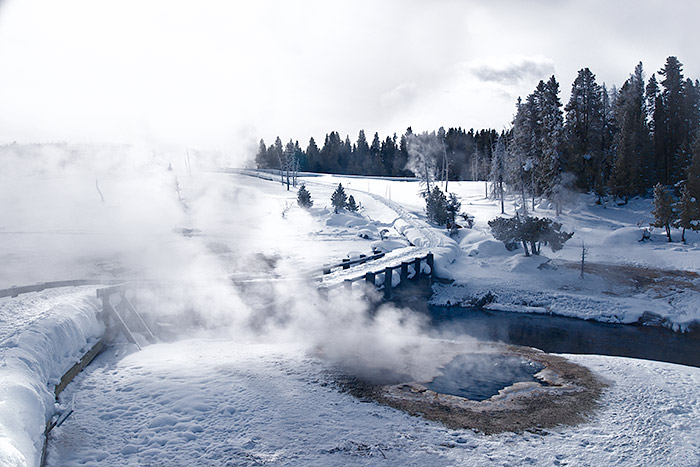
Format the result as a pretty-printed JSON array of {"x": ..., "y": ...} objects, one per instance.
[{"x": 224, "y": 74}]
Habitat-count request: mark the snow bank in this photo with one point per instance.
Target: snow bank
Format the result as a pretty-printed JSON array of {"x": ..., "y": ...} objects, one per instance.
[
  {"x": 32, "y": 362},
  {"x": 623, "y": 236}
]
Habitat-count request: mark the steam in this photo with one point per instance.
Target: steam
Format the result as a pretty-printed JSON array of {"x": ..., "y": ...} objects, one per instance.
[{"x": 185, "y": 234}]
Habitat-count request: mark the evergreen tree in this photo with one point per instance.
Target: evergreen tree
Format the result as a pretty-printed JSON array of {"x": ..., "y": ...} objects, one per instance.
[
  {"x": 676, "y": 131},
  {"x": 632, "y": 160},
  {"x": 687, "y": 214},
  {"x": 663, "y": 209},
  {"x": 304, "y": 197},
  {"x": 313, "y": 156},
  {"x": 261, "y": 156},
  {"x": 375, "y": 152},
  {"x": 361, "y": 155},
  {"x": 692, "y": 179},
  {"x": 338, "y": 198},
  {"x": 550, "y": 119},
  {"x": 332, "y": 153},
  {"x": 387, "y": 154},
  {"x": 453, "y": 206},
  {"x": 584, "y": 129},
  {"x": 518, "y": 151},
  {"x": 436, "y": 206},
  {"x": 351, "y": 204}
]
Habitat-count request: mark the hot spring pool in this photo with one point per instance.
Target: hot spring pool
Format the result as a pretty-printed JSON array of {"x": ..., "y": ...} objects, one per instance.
[{"x": 480, "y": 376}]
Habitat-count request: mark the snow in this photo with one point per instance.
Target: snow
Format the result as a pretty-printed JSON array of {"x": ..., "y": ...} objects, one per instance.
[
  {"x": 32, "y": 361},
  {"x": 214, "y": 402},
  {"x": 253, "y": 400}
]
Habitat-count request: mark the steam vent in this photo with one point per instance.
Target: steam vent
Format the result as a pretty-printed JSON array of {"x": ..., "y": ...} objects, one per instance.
[{"x": 495, "y": 389}]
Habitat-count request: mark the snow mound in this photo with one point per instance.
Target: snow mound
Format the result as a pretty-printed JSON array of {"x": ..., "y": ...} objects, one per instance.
[
  {"x": 623, "y": 236},
  {"x": 526, "y": 264},
  {"x": 32, "y": 364},
  {"x": 385, "y": 246},
  {"x": 488, "y": 248},
  {"x": 345, "y": 220}
]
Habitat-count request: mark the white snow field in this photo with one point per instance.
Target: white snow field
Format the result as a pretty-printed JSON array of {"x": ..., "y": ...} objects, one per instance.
[{"x": 231, "y": 396}]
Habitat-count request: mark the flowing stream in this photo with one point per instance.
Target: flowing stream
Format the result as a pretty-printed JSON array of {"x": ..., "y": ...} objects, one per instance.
[{"x": 559, "y": 334}]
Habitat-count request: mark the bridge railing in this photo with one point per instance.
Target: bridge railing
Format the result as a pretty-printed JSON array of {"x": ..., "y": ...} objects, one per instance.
[{"x": 387, "y": 285}]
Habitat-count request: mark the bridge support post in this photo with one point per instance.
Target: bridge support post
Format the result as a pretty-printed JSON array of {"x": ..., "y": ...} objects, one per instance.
[
  {"x": 347, "y": 283},
  {"x": 431, "y": 262},
  {"x": 369, "y": 279},
  {"x": 388, "y": 273},
  {"x": 404, "y": 271}
]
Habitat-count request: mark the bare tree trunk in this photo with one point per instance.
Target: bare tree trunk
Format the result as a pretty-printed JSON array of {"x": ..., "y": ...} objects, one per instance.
[{"x": 500, "y": 191}]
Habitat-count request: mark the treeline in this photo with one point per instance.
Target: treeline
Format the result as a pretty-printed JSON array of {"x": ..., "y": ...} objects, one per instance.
[
  {"x": 618, "y": 142},
  {"x": 469, "y": 153}
]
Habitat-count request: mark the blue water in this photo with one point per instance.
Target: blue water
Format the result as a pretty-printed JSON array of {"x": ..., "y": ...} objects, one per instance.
[
  {"x": 568, "y": 335},
  {"x": 480, "y": 376}
]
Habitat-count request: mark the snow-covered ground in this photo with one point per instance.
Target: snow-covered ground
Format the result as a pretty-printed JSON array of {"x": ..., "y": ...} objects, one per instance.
[
  {"x": 214, "y": 402},
  {"x": 259, "y": 397}
]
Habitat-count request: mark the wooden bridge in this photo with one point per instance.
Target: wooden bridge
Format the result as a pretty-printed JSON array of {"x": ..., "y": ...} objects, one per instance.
[{"x": 386, "y": 279}]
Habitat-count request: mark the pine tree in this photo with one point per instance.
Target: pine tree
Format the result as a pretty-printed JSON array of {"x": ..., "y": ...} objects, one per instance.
[
  {"x": 663, "y": 209},
  {"x": 304, "y": 197},
  {"x": 673, "y": 128},
  {"x": 361, "y": 155},
  {"x": 518, "y": 150},
  {"x": 584, "y": 129},
  {"x": 313, "y": 156},
  {"x": 351, "y": 204},
  {"x": 453, "y": 206},
  {"x": 551, "y": 139},
  {"x": 692, "y": 179},
  {"x": 375, "y": 153},
  {"x": 687, "y": 215},
  {"x": 338, "y": 198},
  {"x": 436, "y": 206},
  {"x": 630, "y": 171}
]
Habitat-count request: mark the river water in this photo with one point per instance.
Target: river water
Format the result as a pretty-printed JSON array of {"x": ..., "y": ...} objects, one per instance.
[{"x": 559, "y": 334}]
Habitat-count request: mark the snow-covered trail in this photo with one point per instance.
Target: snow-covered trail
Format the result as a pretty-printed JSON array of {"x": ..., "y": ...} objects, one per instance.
[{"x": 214, "y": 402}]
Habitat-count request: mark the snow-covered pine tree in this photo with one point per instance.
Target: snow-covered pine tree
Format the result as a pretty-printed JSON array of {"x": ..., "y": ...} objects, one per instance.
[
  {"x": 518, "y": 150},
  {"x": 351, "y": 204},
  {"x": 453, "y": 206},
  {"x": 304, "y": 197},
  {"x": 663, "y": 209},
  {"x": 436, "y": 206},
  {"x": 338, "y": 198},
  {"x": 687, "y": 215},
  {"x": 551, "y": 134}
]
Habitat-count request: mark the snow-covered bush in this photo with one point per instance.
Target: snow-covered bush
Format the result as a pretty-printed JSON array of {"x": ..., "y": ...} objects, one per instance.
[{"x": 530, "y": 232}]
